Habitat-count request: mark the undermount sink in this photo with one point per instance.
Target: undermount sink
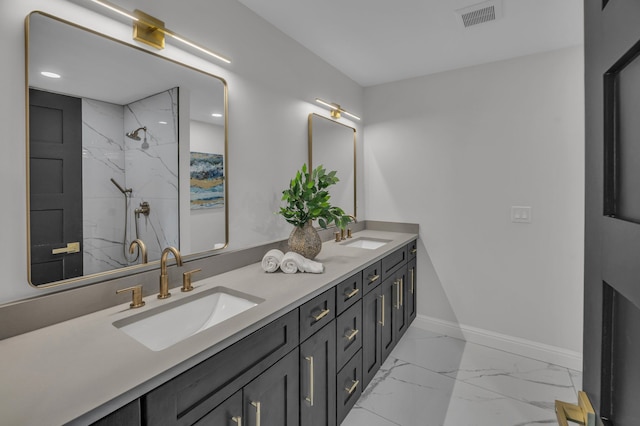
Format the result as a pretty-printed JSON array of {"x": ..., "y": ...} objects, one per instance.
[
  {"x": 366, "y": 243},
  {"x": 167, "y": 325}
]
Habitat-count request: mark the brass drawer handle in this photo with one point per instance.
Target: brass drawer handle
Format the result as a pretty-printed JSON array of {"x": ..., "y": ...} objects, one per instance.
[
  {"x": 237, "y": 419},
  {"x": 352, "y": 293},
  {"x": 401, "y": 291},
  {"x": 373, "y": 278},
  {"x": 257, "y": 405},
  {"x": 353, "y": 387},
  {"x": 582, "y": 413},
  {"x": 310, "y": 397},
  {"x": 70, "y": 248},
  {"x": 414, "y": 251},
  {"x": 351, "y": 335},
  {"x": 382, "y": 311},
  {"x": 321, "y": 315}
]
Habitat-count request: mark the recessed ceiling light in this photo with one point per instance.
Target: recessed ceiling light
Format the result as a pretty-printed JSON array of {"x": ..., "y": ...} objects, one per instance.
[
  {"x": 217, "y": 115},
  {"x": 50, "y": 74}
]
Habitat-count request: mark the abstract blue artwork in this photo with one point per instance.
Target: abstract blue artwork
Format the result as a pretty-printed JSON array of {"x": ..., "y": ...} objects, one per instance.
[{"x": 207, "y": 180}]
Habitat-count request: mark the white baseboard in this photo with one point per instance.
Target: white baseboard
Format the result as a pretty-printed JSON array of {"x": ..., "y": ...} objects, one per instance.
[{"x": 530, "y": 349}]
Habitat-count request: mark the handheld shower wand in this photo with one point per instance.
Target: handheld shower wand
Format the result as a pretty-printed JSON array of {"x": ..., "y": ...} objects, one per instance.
[{"x": 123, "y": 190}]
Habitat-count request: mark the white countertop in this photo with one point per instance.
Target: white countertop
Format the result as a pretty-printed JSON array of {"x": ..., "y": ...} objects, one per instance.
[{"x": 86, "y": 365}]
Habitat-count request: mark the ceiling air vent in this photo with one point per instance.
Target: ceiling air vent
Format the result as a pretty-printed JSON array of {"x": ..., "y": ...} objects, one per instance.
[{"x": 480, "y": 13}]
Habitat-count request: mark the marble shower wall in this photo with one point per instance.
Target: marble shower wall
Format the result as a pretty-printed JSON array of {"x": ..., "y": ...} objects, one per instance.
[{"x": 151, "y": 173}]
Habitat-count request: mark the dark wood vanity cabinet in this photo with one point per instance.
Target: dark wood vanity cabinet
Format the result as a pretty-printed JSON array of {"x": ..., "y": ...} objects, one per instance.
[
  {"x": 318, "y": 378},
  {"x": 306, "y": 368}
]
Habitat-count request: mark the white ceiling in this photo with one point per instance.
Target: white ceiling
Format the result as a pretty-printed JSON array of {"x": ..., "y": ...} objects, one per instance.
[{"x": 379, "y": 41}]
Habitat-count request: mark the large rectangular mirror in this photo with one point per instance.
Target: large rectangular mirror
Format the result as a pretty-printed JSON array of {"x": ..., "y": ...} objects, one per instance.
[
  {"x": 333, "y": 145},
  {"x": 122, "y": 144}
]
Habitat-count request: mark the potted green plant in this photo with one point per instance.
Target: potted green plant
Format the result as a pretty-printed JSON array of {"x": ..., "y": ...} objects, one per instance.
[{"x": 307, "y": 199}]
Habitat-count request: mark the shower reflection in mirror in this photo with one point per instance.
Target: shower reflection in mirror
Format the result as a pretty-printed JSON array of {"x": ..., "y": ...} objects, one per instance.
[{"x": 143, "y": 175}]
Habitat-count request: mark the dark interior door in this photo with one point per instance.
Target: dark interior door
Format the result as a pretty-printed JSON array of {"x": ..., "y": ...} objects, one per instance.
[
  {"x": 55, "y": 173},
  {"x": 612, "y": 240}
]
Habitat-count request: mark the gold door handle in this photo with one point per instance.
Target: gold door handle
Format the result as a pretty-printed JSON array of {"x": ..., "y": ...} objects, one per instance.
[
  {"x": 351, "y": 335},
  {"x": 353, "y": 387},
  {"x": 237, "y": 420},
  {"x": 310, "y": 397},
  {"x": 321, "y": 315},
  {"x": 373, "y": 278},
  {"x": 352, "y": 293},
  {"x": 382, "y": 311},
  {"x": 70, "y": 248},
  {"x": 257, "y": 405}
]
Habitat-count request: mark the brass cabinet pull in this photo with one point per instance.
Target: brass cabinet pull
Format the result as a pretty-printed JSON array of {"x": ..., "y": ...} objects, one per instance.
[
  {"x": 373, "y": 278},
  {"x": 310, "y": 397},
  {"x": 351, "y": 335},
  {"x": 237, "y": 419},
  {"x": 414, "y": 251},
  {"x": 401, "y": 291},
  {"x": 70, "y": 248},
  {"x": 136, "y": 295},
  {"x": 257, "y": 405},
  {"x": 352, "y": 293},
  {"x": 321, "y": 315},
  {"x": 382, "y": 311},
  {"x": 582, "y": 413},
  {"x": 396, "y": 283},
  {"x": 353, "y": 387},
  {"x": 413, "y": 278}
]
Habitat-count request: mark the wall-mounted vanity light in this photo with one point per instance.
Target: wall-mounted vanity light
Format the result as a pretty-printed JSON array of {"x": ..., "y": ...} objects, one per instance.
[
  {"x": 336, "y": 110},
  {"x": 151, "y": 31}
]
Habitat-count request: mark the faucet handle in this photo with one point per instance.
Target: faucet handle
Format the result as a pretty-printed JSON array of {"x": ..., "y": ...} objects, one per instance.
[
  {"x": 186, "y": 279},
  {"x": 136, "y": 295}
]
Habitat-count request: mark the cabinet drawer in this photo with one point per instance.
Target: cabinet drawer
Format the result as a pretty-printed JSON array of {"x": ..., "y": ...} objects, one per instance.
[
  {"x": 393, "y": 261},
  {"x": 348, "y": 292},
  {"x": 129, "y": 415},
  {"x": 412, "y": 249},
  {"x": 348, "y": 334},
  {"x": 188, "y": 397},
  {"x": 349, "y": 385},
  {"x": 372, "y": 277},
  {"x": 317, "y": 313}
]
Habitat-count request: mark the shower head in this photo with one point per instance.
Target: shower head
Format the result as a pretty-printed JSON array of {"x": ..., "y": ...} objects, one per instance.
[{"x": 134, "y": 134}]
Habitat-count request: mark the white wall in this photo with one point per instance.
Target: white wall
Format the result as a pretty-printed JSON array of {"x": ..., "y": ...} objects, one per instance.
[
  {"x": 272, "y": 80},
  {"x": 453, "y": 152}
]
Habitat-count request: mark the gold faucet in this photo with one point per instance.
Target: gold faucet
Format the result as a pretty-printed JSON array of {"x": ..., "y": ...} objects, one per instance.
[
  {"x": 142, "y": 250},
  {"x": 353, "y": 218},
  {"x": 164, "y": 278}
]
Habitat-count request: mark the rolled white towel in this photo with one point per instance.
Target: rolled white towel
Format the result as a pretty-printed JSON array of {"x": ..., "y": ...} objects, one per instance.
[
  {"x": 272, "y": 260},
  {"x": 294, "y": 262}
]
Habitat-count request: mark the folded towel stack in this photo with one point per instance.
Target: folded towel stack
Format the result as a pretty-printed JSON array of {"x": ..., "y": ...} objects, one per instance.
[
  {"x": 289, "y": 263},
  {"x": 272, "y": 260}
]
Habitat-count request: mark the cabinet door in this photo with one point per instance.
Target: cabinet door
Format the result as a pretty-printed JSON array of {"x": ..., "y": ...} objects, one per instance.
[
  {"x": 395, "y": 319},
  {"x": 129, "y": 415},
  {"x": 318, "y": 378},
  {"x": 371, "y": 334},
  {"x": 400, "y": 304},
  {"x": 349, "y": 385},
  {"x": 229, "y": 413},
  {"x": 272, "y": 398},
  {"x": 411, "y": 291},
  {"x": 348, "y": 337}
]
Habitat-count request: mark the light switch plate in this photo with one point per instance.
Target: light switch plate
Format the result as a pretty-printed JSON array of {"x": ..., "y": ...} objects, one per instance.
[{"x": 521, "y": 214}]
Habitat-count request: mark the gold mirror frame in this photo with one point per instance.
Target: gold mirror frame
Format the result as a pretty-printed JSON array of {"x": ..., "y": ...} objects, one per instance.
[
  {"x": 330, "y": 157},
  {"x": 137, "y": 268}
]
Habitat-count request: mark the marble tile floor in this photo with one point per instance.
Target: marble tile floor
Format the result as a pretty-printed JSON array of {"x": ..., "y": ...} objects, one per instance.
[{"x": 435, "y": 380}]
